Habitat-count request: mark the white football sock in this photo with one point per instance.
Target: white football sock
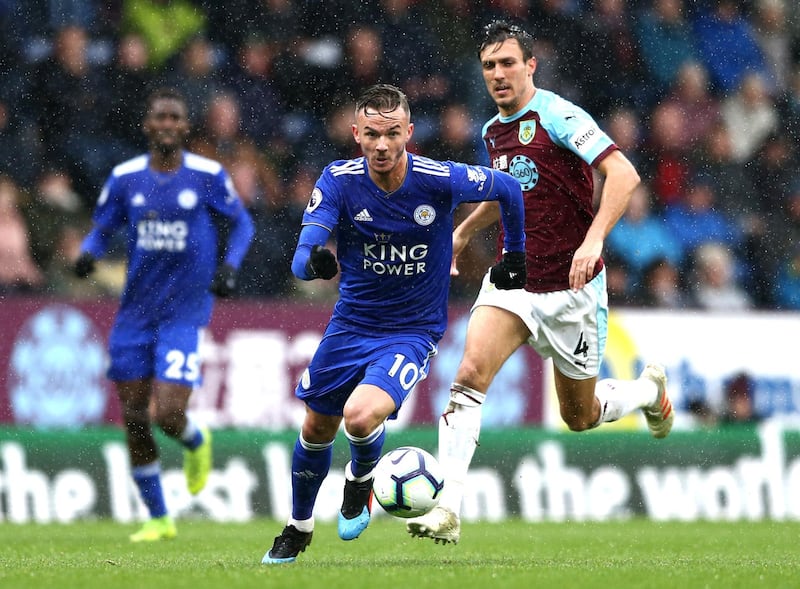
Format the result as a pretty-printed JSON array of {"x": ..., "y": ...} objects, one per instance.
[
  {"x": 302, "y": 525},
  {"x": 620, "y": 397},
  {"x": 190, "y": 431},
  {"x": 459, "y": 430}
]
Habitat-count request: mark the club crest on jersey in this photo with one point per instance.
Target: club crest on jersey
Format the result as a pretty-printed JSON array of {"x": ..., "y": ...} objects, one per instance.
[
  {"x": 424, "y": 215},
  {"x": 314, "y": 201},
  {"x": 187, "y": 199},
  {"x": 527, "y": 129}
]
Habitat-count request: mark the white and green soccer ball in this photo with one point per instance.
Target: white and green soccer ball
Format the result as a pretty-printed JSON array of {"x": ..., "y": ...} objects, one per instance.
[{"x": 408, "y": 482}]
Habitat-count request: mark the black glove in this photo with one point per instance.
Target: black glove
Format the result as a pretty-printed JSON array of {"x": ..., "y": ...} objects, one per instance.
[
  {"x": 322, "y": 263},
  {"x": 224, "y": 282},
  {"x": 510, "y": 272},
  {"x": 84, "y": 265}
]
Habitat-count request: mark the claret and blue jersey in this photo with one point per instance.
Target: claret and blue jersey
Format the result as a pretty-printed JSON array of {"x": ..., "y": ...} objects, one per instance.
[
  {"x": 395, "y": 249},
  {"x": 550, "y": 146},
  {"x": 171, "y": 235}
]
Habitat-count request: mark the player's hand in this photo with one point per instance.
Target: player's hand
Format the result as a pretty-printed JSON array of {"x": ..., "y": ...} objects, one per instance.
[
  {"x": 510, "y": 272},
  {"x": 583, "y": 262},
  {"x": 322, "y": 263},
  {"x": 224, "y": 282},
  {"x": 84, "y": 265}
]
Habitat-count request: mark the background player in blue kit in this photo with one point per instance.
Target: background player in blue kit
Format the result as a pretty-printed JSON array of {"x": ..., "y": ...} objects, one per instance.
[
  {"x": 173, "y": 206},
  {"x": 392, "y": 213}
]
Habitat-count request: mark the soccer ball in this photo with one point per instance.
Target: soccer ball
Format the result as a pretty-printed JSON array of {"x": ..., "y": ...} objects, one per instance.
[{"x": 408, "y": 482}]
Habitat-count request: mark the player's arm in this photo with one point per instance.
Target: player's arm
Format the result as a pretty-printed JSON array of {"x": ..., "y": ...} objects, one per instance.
[
  {"x": 621, "y": 179},
  {"x": 512, "y": 210},
  {"x": 311, "y": 258},
  {"x": 239, "y": 237},
  {"x": 510, "y": 272},
  {"x": 482, "y": 216},
  {"x": 108, "y": 216},
  {"x": 504, "y": 200},
  {"x": 235, "y": 233}
]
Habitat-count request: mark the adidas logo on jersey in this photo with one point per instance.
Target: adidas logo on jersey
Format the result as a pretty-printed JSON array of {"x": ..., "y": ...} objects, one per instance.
[{"x": 363, "y": 216}]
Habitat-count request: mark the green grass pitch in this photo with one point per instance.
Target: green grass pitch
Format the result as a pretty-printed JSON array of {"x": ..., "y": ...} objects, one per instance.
[{"x": 636, "y": 553}]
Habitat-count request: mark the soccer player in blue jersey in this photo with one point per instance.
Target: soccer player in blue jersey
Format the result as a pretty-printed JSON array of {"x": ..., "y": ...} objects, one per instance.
[
  {"x": 392, "y": 215},
  {"x": 173, "y": 206},
  {"x": 551, "y": 146}
]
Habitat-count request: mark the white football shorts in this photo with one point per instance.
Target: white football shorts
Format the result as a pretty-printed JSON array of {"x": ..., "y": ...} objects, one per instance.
[{"x": 569, "y": 327}]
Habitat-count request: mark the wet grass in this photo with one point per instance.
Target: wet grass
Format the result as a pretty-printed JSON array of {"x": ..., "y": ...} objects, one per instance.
[{"x": 637, "y": 553}]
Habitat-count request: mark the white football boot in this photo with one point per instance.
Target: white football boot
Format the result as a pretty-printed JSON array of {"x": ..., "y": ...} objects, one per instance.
[
  {"x": 440, "y": 523},
  {"x": 659, "y": 415}
]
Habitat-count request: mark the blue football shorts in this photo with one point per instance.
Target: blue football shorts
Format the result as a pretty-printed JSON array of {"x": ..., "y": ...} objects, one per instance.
[
  {"x": 393, "y": 362},
  {"x": 166, "y": 352}
]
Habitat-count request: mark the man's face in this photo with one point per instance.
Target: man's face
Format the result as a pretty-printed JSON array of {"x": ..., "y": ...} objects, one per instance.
[
  {"x": 507, "y": 75},
  {"x": 382, "y": 137},
  {"x": 166, "y": 124}
]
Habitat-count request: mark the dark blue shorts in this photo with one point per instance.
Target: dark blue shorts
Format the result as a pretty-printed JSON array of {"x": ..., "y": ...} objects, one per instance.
[
  {"x": 343, "y": 360},
  {"x": 166, "y": 352}
]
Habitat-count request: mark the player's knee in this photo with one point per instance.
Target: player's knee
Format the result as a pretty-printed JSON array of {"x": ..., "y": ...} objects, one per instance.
[
  {"x": 473, "y": 375},
  {"x": 361, "y": 421}
]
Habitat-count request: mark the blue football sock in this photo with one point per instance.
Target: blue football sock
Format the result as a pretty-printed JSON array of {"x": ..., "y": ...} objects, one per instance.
[
  {"x": 310, "y": 466},
  {"x": 148, "y": 479},
  {"x": 366, "y": 451}
]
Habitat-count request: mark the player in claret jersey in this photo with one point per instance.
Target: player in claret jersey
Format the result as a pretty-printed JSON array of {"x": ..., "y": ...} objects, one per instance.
[
  {"x": 171, "y": 205},
  {"x": 550, "y": 146},
  {"x": 392, "y": 216}
]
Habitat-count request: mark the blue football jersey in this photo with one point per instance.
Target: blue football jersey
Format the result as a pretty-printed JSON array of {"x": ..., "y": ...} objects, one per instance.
[
  {"x": 395, "y": 249},
  {"x": 171, "y": 235}
]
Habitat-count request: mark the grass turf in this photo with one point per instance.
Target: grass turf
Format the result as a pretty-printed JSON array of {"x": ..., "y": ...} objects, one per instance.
[{"x": 636, "y": 553}]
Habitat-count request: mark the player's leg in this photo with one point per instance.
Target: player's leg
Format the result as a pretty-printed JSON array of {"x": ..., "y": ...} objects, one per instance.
[
  {"x": 493, "y": 334},
  {"x": 143, "y": 454},
  {"x": 177, "y": 369},
  {"x": 587, "y": 403},
  {"x": 169, "y": 408},
  {"x": 364, "y": 416},
  {"x": 323, "y": 387},
  {"x": 576, "y": 330},
  {"x": 311, "y": 461},
  {"x": 395, "y": 364}
]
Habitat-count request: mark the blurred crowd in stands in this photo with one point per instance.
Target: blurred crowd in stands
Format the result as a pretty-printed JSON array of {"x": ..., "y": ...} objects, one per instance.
[{"x": 703, "y": 96}]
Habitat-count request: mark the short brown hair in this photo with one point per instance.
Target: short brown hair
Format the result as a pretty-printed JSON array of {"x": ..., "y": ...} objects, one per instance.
[{"x": 383, "y": 98}]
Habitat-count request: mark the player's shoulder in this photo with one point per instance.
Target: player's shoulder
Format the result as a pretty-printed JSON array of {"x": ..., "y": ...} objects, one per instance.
[
  {"x": 555, "y": 109},
  {"x": 421, "y": 165},
  {"x": 199, "y": 163},
  {"x": 131, "y": 166},
  {"x": 344, "y": 168}
]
